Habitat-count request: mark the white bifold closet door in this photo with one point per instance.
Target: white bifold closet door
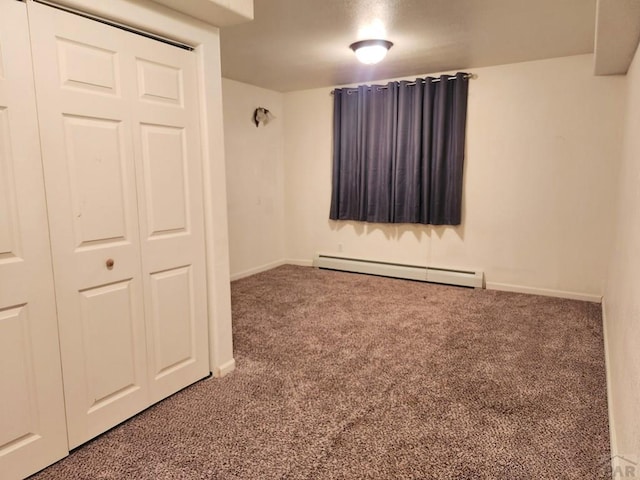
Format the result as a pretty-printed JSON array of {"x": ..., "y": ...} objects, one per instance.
[
  {"x": 32, "y": 423},
  {"x": 119, "y": 120}
]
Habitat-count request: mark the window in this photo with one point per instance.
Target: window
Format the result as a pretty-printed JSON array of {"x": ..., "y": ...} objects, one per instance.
[{"x": 398, "y": 151}]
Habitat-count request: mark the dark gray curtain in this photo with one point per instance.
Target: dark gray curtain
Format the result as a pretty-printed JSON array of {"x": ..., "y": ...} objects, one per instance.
[{"x": 398, "y": 151}]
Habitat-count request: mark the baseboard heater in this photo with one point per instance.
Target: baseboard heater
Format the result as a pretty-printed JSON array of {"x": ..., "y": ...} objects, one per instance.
[{"x": 447, "y": 276}]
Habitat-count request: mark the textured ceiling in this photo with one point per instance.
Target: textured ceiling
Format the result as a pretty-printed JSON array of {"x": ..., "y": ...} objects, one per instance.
[{"x": 301, "y": 44}]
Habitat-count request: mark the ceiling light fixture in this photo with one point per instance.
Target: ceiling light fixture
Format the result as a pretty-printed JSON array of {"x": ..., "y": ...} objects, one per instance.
[{"x": 371, "y": 51}]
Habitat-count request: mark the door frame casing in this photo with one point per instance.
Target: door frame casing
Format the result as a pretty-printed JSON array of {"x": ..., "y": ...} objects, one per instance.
[{"x": 205, "y": 39}]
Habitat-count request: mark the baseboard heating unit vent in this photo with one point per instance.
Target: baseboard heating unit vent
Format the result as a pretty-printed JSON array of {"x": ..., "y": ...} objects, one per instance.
[{"x": 397, "y": 270}]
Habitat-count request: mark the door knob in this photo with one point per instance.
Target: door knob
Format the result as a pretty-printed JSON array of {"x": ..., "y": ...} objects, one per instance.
[{"x": 110, "y": 263}]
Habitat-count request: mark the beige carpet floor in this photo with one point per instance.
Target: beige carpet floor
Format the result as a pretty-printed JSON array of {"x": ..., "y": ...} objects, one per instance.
[{"x": 346, "y": 376}]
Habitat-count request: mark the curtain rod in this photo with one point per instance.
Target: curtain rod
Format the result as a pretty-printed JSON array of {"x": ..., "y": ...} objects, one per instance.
[{"x": 384, "y": 87}]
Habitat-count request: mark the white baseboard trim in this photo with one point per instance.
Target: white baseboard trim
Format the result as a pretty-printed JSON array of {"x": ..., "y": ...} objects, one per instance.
[
  {"x": 225, "y": 369},
  {"x": 269, "y": 266},
  {"x": 300, "y": 263},
  {"x": 253, "y": 271},
  {"x": 506, "y": 287},
  {"x": 613, "y": 438}
]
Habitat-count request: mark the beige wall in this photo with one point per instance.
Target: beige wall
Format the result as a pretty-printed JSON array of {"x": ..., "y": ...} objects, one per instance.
[
  {"x": 622, "y": 297},
  {"x": 255, "y": 178},
  {"x": 543, "y": 143}
]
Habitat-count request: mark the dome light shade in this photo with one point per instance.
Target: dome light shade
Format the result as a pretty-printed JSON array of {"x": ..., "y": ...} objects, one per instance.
[{"x": 371, "y": 51}]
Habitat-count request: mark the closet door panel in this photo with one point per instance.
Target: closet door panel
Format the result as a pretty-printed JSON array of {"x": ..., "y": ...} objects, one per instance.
[
  {"x": 32, "y": 420},
  {"x": 171, "y": 298},
  {"x": 167, "y": 143},
  {"x": 164, "y": 170},
  {"x": 120, "y": 132},
  {"x": 107, "y": 320},
  {"x": 88, "y": 158},
  {"x": 97, "y": 173},
  {"x": 85, "y": 66}
]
